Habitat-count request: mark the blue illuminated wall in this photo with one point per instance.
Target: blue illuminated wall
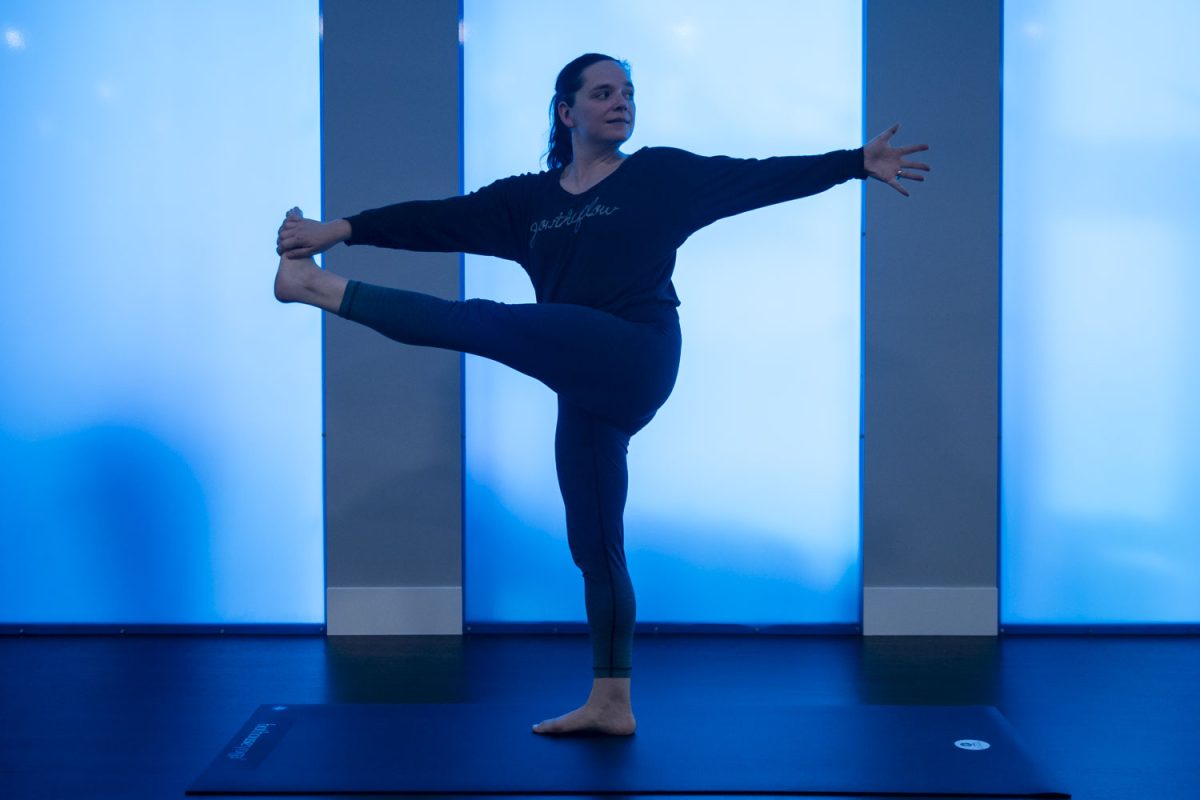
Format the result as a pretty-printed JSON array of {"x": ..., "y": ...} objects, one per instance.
[
  {"x": 160, "y": 418},
  {"x": 160, "y": 414},
  {"x": 1101, "y": 344},
  {"x": 743, "y": 501}
]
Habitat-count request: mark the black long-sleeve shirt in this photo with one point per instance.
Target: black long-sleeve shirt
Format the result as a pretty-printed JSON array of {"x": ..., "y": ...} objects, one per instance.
[{"x": 613, "y": 246}]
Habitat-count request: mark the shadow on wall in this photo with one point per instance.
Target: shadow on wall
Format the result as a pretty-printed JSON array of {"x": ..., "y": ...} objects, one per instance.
[{"x": 105, "y": 525}]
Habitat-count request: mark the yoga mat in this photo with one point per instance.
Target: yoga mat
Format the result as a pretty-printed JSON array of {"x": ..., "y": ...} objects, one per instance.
[{"x": 678, "y": 749}]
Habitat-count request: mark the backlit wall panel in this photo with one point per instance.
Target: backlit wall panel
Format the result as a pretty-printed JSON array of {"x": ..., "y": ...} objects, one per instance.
[
  {"x": 1101, "y": 344},
  {"x": 743, "y": 501},
  {"x": 160, "y": 418}
]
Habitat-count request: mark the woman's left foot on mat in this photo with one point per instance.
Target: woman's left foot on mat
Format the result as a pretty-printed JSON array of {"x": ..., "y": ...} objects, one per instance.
[{"x": 614, "y": 720}]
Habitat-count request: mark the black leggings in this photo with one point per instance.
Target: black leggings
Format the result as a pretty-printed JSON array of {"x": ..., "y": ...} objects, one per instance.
[{"x": 610, "y": 374}]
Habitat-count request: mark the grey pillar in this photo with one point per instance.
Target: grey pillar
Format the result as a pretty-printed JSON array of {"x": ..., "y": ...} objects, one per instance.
[
  {"x": 931, "y": 319},
  {"x": 390, "y": 115}
]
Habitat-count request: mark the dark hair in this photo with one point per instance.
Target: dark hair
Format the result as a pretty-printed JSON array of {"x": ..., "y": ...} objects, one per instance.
[{"x": 570, "y": 81}]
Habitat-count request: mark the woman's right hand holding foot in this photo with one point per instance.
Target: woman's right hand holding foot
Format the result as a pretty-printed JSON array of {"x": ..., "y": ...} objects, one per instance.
[{"x": 299, "y": 237}]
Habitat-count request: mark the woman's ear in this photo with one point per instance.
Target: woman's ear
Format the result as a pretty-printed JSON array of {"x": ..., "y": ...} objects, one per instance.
[{"x": 564, "y": 114}]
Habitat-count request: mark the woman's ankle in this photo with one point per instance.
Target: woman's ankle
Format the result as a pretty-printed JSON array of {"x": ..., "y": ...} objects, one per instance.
[
  {"x": 328, "y": 291},
  {"x": 610, "y": 691},
  {"x": 302, "y": 281}
]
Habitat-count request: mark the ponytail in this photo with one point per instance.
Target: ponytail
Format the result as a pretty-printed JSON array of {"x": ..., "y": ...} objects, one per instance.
[{"x": 560, "y": 152}]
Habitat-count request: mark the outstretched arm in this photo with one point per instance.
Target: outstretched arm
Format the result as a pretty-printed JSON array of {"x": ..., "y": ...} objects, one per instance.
[
  {"x": 489, "y": 221},
  {"x": 709, "y": 188},
  {"x": 886, "y": 163}
]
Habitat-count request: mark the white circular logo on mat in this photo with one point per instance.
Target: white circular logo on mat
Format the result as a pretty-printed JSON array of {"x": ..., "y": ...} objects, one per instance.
[{"x": 972, "y": 744}]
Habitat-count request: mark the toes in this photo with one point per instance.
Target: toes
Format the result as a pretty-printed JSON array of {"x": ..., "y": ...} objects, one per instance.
[{"x": 556, "y": 725}]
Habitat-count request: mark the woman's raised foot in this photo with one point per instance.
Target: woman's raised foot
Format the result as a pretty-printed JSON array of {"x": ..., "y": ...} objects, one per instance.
[{"x": 294, "y": 278}]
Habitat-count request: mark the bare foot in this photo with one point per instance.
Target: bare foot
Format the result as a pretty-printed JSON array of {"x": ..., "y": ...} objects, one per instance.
[
  {"x": 293, "y": 279},
  {"x": 612, "y": 720},
  {"x": 300, "y": 280}
]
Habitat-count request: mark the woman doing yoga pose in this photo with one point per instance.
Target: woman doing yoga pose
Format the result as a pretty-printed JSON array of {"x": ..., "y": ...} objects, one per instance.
[{"x": 597, "y": 233}]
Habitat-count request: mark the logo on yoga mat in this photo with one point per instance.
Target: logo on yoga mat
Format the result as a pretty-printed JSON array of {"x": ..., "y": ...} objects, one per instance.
[
  {"x": 243, "y": 747},
  {"x": 258, "y": 737},
  {"x": 972, "y": 744}
]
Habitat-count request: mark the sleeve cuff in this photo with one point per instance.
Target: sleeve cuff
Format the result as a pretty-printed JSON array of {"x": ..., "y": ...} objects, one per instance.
[
  {"x": 859, "y": 169},
  {"x": 353, "y": 228}
]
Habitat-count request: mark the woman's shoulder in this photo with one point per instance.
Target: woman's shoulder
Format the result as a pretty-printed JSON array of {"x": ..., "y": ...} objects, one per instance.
[
  {"x": 662, "y": 153},
  {"x": 671, "y": 158},
  {"x": 522, "y": 179},
  {"x": 514, "y": 186}
]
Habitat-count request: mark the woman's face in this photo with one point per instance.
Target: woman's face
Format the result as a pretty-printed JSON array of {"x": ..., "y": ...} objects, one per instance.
[{"x": 603, "y": 110}]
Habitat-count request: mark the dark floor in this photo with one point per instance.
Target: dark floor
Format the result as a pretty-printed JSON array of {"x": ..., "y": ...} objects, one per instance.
[{"x": 141, "y": 716}]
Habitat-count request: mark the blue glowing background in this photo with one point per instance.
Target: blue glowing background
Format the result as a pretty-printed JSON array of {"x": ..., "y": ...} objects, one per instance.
[
  {"x": 160, "y": 420},
  {"x": 1100, "y": 457},
  {"x": 160, "y": 414},
  {"x": 743, "y": 501}
]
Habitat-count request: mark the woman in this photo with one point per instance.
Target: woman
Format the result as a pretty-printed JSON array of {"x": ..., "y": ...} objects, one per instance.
[{"x": 597, "y": 234}]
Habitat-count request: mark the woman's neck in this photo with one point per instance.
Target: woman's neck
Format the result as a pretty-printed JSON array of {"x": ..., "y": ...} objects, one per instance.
[{"x": 588, "y": 169}]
